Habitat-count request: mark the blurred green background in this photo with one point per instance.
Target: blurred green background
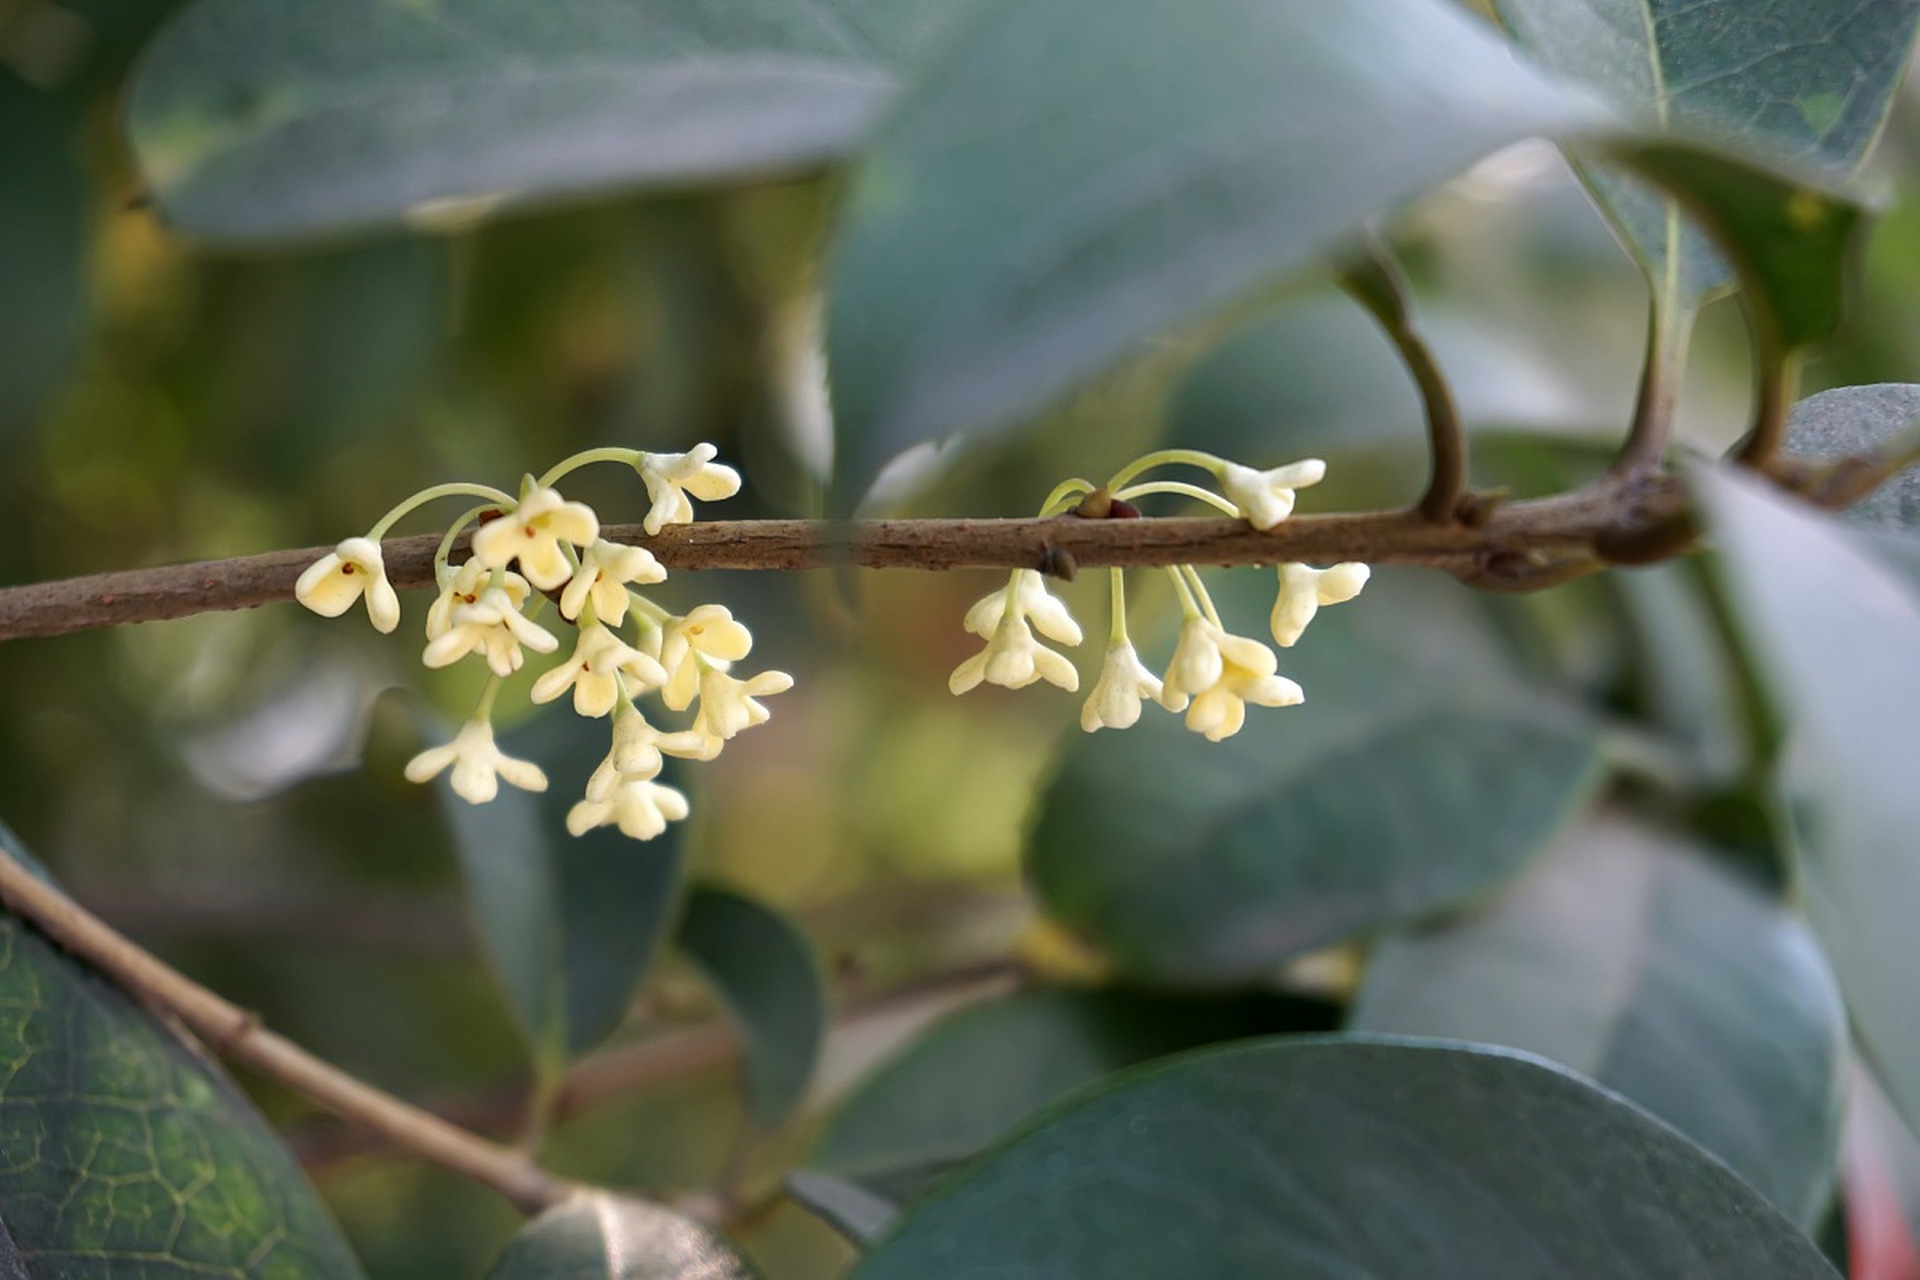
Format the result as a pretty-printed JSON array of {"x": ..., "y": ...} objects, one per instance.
[{"x": 227, "y": 788}]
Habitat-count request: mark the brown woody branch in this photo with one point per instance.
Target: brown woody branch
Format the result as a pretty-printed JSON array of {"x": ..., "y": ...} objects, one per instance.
[{"x": 1502, "y": 547}]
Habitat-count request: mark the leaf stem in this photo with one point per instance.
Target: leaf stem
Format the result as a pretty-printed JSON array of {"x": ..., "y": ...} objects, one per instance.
[
  {"x": 1669, "y": 334},
  {"x": 1776, "y": 382},
  {"x": 239, "y": 1034}
]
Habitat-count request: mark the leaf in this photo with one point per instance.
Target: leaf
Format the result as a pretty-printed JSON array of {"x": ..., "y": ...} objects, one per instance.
[
  {"x": 1854, "y": 421},
  {"x": 1346, "y": 1156},
  {"x": 1839, "y": 632},
  {"x": 1075, "y": 176},
  {"x": 1195, "y": 862},
  {"x": 1809, "y": 81},
  {"x": 1631, "y": 958},
  {"x": 272, "y": 119},
  {"x": 568, "y": 924},
  {"x": 603, "y": 1237},
  {"x": 981, "y": 1071},
  {"x": 765, "y": 970},
  {"x": 43, "y": 205},
  {"x": 127, "y": 1151},
  {"x": 849, "y": 1208}
]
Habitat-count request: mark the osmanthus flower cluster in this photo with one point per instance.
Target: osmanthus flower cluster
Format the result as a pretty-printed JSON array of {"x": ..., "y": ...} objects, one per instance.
[
  {"x": 1213, "y": 674},
  {"x": 540, "y": 548}
]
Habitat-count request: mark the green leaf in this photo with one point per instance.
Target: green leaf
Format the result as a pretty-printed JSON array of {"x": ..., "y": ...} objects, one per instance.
[
  {"x": 266, "y": 119},
  {"x": 981, "y": 1071},
  {"x": 1807, "y": 81},
  {"x": 568, "y": 923},
  {"x": 603, "y": 1237},
  {"x": 1839, "y": 632},
  {"x": 1346, "y": 1157},
  {"x": 1856, "y": 421},
  {"x": 765, "y": 970},
  {"x": 849, "y": 1208},
  {"x": 1631, "y": 958},
  {"x": 43, "y": 206},
  {"x": 127, "y": 1151},
  {"x": 1075, "y": 176},
  {"x": 1420, "y": 772}
]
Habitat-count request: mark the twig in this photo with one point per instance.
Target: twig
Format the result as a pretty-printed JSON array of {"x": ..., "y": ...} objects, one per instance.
[
  {"x": 1566, "y": 522},
  {"x": 239, "y": 1034}
]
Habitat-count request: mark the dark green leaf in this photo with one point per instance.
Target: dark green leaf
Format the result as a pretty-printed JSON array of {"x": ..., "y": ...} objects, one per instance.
[
  {"x": 1860, "y": 421},
  {"x": 568, "y": 923},
  {"x": 1075, "y": 176},
  {"x": 1633, "y": 959},
  {"x": 765, "y": 970},
  {"x": 1419, "y": 773},
  {"x": 1839, "y": 632},
  {"x": 1804, "y": 80},
  {"x": 43, "y": 204},
  {"x": 127, "y": 1152},
  {"x": 603, "y": 1237},
  {"x": 1346, "y": 1157},
  {"x": 847, "y": 1207},
  {"x": 257, "y": 119},
  {"x": 981, "y": 1071}
]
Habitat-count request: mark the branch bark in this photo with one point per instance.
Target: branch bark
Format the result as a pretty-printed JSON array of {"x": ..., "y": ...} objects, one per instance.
[
  {"x": 1609, "y": 511},
  {"x": 238, "y": 1034}
]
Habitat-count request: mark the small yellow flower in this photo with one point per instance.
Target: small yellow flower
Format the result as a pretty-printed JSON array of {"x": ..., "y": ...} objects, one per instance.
[
  {"x": 463, "y": 585},
  {"x": 639, "y": 752},
  {"x": 707, "y": 637},
  {"x": 1014, "y": 659},
  {"x": 1265, "y": 498},
  {"x": 599, "y": 659},
  {"x": 1115, "y": 700},
  {"x": 605, "y": 570},
  {"x": 492, "y": 625},
  {"x": 478, "y": 765},
  {"x": 1214, "y": 675},
  {"x": 727, "y": 705},
  {"x": 1030, "y": 599},
  {"x": 532, "y": 533},
  {"x": 1303, "y": 590},
  {"x": 670, "y": 477},
  {"x": 640, "y": 807},
  {"x": 355, "y": 568}
]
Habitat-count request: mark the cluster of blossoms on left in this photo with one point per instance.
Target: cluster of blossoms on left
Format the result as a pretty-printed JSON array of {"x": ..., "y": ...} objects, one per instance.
[{"x": 540, "y": 548}]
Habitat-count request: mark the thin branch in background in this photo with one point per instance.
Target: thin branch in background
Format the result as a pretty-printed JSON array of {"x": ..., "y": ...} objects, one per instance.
[
  {"x": 238, "y": 1034},
  {"x": 1369, "y": 274}
]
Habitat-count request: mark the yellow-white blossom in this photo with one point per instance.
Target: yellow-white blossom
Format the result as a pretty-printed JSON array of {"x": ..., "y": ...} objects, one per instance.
[
  {"x": 605, "y": 570},
  {"x": 492, "y": 625},
  {"x": 639, "y": 751},
  {"x": 1015, "y": 659},
  {"x": 1265, "y": 498},
  {"x": 593, "y": 672},
  {"x": 532, "y": 533},
  {"x": 1030, "y": 599},
  {"x": 709, "y": 637},
  {"x": 463, "y": 585},
  {"x": 670, "y": 477},
  {"x": 1214, "y": 675},
  {"x": 478, "y": 765},
  {"x": 1115, "y": 700},
  {"x": 351, "y": 570},
  {"x": 727, "y": 705},
  {"x": 1303, "y": 589},
  {"x": 640, "y": 807}
]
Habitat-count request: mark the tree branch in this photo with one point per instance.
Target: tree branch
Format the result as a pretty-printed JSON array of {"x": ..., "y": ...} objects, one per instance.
[
  {"x": 1610, "y": 510},
  {"x": 239, "y": 1034}
]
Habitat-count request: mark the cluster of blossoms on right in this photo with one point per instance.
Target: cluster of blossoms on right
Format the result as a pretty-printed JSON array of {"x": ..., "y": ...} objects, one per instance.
[{"x": 1213, "y": 674}]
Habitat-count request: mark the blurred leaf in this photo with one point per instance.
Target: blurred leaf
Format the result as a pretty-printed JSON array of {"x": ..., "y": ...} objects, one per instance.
[
  {"x": 259, "y": 119},
  {"x": 847, "y": 1207},
  {"x": 765, "y": 970},
  {"x": 1631, "y": 958},
  {"x": 1806, "y": 80},
  {"x": 603, "y": 1237},
  {"x": 1346, "y": 1157},
  {"x": 1421, "y": 772},
  {"x": 1864, "y": 420},
  {"x": 43, "y": 228},
  {"x": 568, "y": 923},
  {"x": 1791, "y": 235},
  {"x": 1075, "y": 176},
  {"x": 1839, "y": 632},
  {"x": 128, "y": 1153},
  {"x": 981, "y": 1071}
]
